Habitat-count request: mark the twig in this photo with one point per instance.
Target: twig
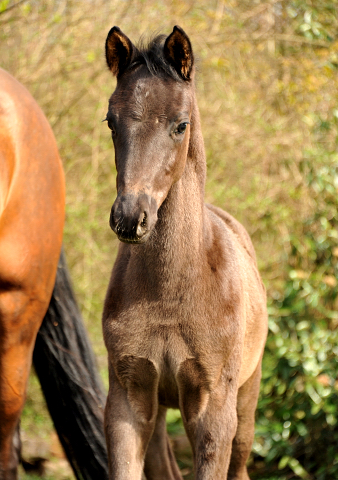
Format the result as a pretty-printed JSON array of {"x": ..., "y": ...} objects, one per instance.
[
  {"x": 13, "y": 6},
  {"x": 282, "y": 36}
]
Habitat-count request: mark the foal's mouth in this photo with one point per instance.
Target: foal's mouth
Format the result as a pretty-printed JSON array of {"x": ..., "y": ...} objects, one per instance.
[
  {"x": 135, "y": 241},
  {"x": 136, "y": 235}
]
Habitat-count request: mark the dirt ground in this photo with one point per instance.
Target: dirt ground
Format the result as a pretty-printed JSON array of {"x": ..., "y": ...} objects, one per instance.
[{"x": 44, "y": 457}]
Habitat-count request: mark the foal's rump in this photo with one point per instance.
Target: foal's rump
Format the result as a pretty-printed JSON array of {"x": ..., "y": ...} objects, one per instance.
[{"x": 255, "y": 297}]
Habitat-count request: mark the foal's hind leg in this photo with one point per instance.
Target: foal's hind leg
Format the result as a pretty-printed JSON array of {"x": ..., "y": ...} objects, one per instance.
[
  {"x": 160, "y": 463},
  {"x": 242, "y": 443}
]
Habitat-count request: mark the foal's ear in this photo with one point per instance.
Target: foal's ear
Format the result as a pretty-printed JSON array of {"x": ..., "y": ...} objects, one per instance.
[
  {"x": 119, "y": 51},
  {"x": 177, "y": 50}
]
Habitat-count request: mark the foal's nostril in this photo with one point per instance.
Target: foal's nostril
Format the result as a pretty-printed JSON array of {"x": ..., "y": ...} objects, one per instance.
[
  {"x": 144, "y": 220},
  {"x": 142, "y": 225}
]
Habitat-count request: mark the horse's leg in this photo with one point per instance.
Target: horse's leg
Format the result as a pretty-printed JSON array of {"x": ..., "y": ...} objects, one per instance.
[
  {"x": 210, "y": 421},
  {"x": 160, "y": 463},
  {"x": 242, "y": 443},
  {"x": 17, "y": 337},
  {"x": 130, "y": 417}
]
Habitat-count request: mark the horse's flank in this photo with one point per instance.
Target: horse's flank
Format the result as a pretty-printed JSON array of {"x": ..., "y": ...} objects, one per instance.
[
  {"x": 32, "y": 192},
  {"x": 32, "y": 200}
]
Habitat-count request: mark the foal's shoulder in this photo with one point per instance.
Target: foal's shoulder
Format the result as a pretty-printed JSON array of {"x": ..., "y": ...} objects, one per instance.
[{"x": 236, "y": 227}]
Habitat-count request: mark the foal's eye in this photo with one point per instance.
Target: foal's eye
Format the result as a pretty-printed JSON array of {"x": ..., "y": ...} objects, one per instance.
[
  {"x": 181, "y": 128},
  {"x": 112, "y": 128}
]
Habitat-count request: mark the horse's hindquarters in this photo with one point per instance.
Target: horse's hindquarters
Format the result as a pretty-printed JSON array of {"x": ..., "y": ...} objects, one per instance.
[{"x": 31, "y": 223}]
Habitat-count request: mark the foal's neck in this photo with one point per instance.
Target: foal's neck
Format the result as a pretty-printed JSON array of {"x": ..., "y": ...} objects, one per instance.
[{"x": 178, "y": 238}]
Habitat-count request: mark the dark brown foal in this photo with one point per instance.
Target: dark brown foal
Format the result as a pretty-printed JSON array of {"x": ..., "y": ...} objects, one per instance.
[{"x": 185, "y": 318}]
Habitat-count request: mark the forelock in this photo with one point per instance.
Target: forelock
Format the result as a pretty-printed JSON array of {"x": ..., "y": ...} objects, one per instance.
[{"x": 151, "y": 55}]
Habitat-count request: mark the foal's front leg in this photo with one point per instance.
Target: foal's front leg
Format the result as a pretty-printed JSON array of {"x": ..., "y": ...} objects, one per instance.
[
  {"x": 130, "y": 416},
  {"x": 210, "y": 420}
]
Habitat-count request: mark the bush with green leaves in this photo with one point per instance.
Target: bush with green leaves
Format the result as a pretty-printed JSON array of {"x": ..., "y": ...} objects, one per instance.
[{"x": 297, "y": 418}]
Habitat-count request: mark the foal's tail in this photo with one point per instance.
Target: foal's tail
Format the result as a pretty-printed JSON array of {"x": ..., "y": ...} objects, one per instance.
[{"x": 65, "y": 364}]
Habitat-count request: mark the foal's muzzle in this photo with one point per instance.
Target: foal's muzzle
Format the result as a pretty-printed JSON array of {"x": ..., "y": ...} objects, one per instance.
[{"x": 133, "y": 217}]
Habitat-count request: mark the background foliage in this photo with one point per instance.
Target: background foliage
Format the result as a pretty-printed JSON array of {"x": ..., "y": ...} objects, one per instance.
[{"x": 267, "y": 88}]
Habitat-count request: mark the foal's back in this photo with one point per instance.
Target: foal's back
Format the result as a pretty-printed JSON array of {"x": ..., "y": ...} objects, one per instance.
[
  {"x": 237, "y": 228},
  {"x": 254, "y": 295}
]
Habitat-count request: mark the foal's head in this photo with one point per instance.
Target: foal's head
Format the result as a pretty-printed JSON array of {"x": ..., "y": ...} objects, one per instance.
[{"x": 149, "y": 115}]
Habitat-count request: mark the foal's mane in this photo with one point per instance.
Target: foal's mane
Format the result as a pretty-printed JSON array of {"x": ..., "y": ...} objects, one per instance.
[{"x": 151, "y": 55}]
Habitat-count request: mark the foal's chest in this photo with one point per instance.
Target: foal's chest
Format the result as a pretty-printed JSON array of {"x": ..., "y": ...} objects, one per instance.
[{"x": 180, "y": 346}]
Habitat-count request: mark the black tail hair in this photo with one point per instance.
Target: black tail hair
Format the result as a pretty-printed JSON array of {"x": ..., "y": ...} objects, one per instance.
[{"x": 65, "y": 364}]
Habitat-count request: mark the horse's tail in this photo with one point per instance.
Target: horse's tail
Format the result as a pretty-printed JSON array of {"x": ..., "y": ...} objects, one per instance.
[{"x": 65, "y": 364}]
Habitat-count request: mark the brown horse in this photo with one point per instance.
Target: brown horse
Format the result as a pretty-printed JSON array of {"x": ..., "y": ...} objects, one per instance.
[
  {"x": 32, "y": 200},
  {"x": 185, "y": 318}
]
